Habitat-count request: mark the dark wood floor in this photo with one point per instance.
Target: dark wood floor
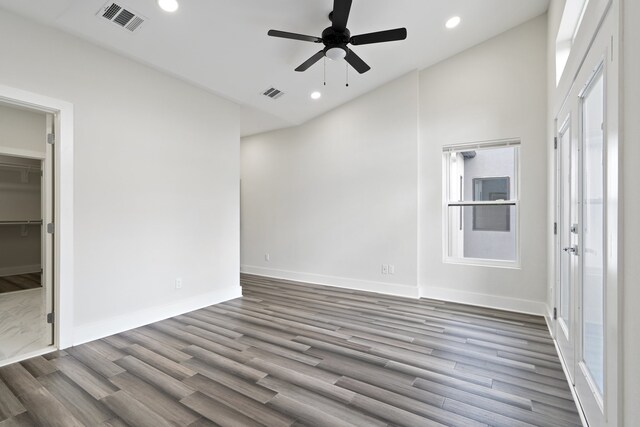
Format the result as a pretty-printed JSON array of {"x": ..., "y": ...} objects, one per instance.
[
  {"x": 20, "y": 282},
  {"x": 286, "y": 354}
]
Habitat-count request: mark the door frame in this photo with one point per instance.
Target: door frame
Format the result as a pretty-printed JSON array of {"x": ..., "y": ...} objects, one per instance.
[
  {"x": 63, "y": 265},
  {"x": 565, "y": 124}
]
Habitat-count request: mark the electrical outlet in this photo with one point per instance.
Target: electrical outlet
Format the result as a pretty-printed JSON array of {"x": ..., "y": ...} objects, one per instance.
[
  {"x": 392, "y": 269},
  {"x": 385, "y": 268},
  {"x": 267, "y": 257},
  {"x": 179, "y": 283}
]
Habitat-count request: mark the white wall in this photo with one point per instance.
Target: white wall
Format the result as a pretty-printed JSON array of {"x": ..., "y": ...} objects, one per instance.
[
  {"x": 493, "y": 91},
  {"x": 631, "y": 197},
  {"x": 332, "y": 200},
  {"x": 156, "y": 179}
]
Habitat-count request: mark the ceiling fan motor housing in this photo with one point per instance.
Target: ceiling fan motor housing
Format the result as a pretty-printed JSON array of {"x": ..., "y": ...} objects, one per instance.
[{"x": 333, "y": 38}]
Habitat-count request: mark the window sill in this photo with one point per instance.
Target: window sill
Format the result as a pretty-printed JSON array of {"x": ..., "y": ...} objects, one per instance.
[{"x": 477, "y": 262}]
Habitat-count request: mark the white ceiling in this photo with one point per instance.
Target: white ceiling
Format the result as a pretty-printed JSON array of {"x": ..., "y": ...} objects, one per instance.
[{"x": 222, "y": 45}]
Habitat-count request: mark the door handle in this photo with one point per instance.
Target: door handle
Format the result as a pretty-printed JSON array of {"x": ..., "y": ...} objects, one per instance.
[{"x": 571, "y": 249}]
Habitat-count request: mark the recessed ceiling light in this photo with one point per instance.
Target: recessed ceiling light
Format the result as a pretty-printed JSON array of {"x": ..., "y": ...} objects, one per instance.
[
  {"x": 316, "y": 95},
  {"x": 168, "y": 5},
  {"x": 452, "y": 22}
]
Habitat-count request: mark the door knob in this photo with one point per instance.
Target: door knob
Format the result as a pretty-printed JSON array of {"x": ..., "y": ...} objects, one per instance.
[{"x": 571, "y": 249}]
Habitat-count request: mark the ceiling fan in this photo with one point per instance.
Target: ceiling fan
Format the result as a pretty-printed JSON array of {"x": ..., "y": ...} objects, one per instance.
[{"x": 337, "y": 37}]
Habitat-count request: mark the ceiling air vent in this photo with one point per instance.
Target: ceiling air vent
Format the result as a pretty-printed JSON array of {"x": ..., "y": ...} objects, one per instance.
[
  {"x": 273, "y": 93},
  {"x": 122, "y": 16}
]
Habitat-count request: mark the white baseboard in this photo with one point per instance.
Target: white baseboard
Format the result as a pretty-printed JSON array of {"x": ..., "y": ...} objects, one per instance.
[
  {"x": 21, "y": 269},
  {"x": 125, "y": 322},
  {"x": 485, "y": 300},
  {"x": 407, "y": 291}
]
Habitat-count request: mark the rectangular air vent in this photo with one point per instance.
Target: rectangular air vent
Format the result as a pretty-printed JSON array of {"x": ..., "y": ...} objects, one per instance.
[
  {"x": 121, "y": 16},
  {"x": 273, "y": 93}
]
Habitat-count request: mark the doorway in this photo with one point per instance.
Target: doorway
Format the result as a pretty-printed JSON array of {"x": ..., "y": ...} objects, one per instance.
[{"x": 26, "y": 239}]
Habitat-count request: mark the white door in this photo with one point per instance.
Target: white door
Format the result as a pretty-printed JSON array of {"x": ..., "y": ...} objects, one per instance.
[{"x": 568, "y": 212}]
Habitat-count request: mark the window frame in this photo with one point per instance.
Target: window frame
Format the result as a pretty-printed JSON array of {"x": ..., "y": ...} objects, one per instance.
[{"x": 447, "y": 150}]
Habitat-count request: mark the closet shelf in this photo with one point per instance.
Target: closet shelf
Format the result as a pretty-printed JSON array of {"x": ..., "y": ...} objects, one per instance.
[{"x": 25, "y": 222}]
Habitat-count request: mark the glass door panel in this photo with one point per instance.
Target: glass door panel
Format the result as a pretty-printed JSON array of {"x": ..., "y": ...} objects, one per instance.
[{"x": 593, "y": 232}]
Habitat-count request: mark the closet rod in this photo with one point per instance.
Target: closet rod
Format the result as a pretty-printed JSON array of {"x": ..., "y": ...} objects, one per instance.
[{"x": 27, "y": 222}]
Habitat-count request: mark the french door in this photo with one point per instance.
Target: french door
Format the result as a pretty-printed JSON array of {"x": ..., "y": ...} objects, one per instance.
[{"x": 583, "y": 324}]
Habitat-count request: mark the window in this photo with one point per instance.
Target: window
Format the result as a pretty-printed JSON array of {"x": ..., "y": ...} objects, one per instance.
[
  {"x": 481, "y": 203},
  {"x": 569, "y": 25}
]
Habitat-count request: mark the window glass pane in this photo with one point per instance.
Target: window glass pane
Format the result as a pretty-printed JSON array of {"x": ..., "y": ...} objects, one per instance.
[
  {"x": 593, "y": 233},
  {"x": 491, "y": 218},
  {"x": 467, "y": 241},
  {"x": 481, "y": 175}
]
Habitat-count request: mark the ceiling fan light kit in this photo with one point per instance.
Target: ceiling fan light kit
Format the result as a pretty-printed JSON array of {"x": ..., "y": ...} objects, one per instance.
[
  {"x": 336, "y": 38},
  {"x": 336, "y": 53}
]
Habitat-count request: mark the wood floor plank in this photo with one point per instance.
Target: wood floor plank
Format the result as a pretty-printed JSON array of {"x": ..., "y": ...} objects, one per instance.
[
  {"x": 249, "y": 389},
  {"x": 221, "y": 362},
  {"x": 157, "y": 346},
  {"x": 38, "y": 366},
  {"x": 303, "y": 380},
  {"x": 432, "y": 411},
  {"x": 18, "y": 379},
  {"x": 46, "y": 410},
  {"x": 217, "y": 412},
  {"x": 96, "y": 361},
  {"x": 168, "y": 366},
  {"x": 342, "y": 411},
  {"x": 307, "y": 413},
  {"x": 159, "y": 402},
  {"x": 154, "y": 376},
  {"x": 133, "y": 412},
  {"x": 83, "y": 406},
  {"x": 245, "y": 405},
  {"x": 10, "y": 406},
  {"x": 22, "y": 420},
  {"x": 89, "y": 380}
]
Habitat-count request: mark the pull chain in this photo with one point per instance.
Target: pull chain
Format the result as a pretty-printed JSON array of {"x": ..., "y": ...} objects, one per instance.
[
  {"x": 325, "y": 70},
  {"x": 347, "y": 66}
]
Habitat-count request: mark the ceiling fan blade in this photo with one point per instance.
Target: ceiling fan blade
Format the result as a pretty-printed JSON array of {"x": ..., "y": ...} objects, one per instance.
[
  {"x": 294, "y": 36},
  {"x": 356, "y": 62},
  {"x": 309, "y": 62},
  {"x": 380, "y": 37},
  {"x": 340, "y": 16}
]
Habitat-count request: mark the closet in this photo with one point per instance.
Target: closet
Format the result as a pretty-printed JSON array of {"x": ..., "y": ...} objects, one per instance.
[{"x": 25, "y": 245}]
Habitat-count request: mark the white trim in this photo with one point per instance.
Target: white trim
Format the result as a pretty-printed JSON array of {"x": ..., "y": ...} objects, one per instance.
[
  {"x": 447, "y": 203},
  {"x": 21, "y": 269},
  {"x": 484, "y": 300},
  {"x": 407, "y": 291},
  {"x": 114, "y": 325},
  {"x": 64, "y": 169}
]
